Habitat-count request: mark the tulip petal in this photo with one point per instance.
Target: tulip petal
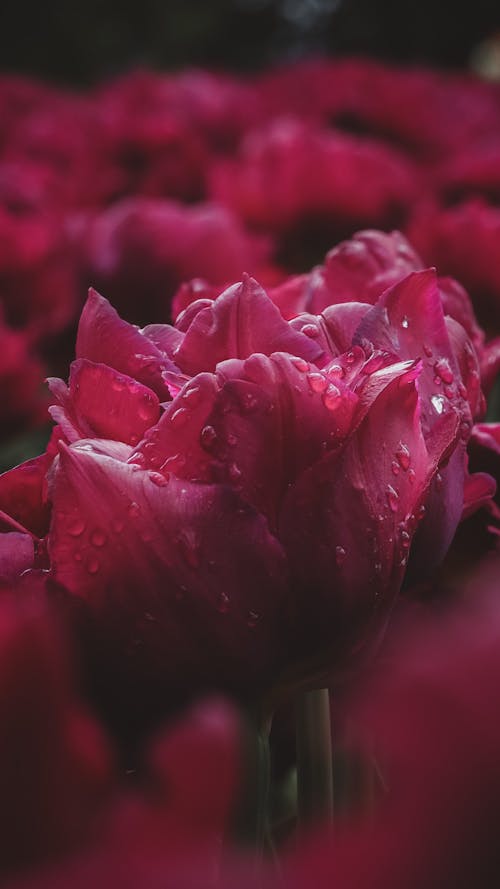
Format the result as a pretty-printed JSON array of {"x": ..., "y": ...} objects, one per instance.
[
  {"x": 102, "y": 403},
  {"x": 241, "y": 321},
  {"x": 348, "y": 522},
  {"x": 103, "y": 337},
  {"x": 185, "y": 581}
]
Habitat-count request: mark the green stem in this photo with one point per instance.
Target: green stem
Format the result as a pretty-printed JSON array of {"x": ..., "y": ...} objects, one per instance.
[{"x": 314, "y": 757}]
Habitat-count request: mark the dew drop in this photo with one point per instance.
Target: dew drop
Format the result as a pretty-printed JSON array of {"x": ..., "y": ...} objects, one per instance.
[
  {"x": 444, "y": 370},
  {"x": 232, "y": 439},
  {"x": 378, "y": 568},
  {"x": 340, "y": 555},
  {"x": 331, "y": 396},
  {"x": 175, "y": 463},
  {"x": 179, "y": 417},
  {"x": 300, "y": 364},
  {"x": 223, "y": 603},
  {"x": 392, "y": 498},
  {"x": 396, "y": 468},
  {"x": 252, "y": 619},
  {"x": 133, "y": 510},
  {"x": 411, "y": 476},
  {"x": 158, "y": 479},
  {"x": 404, "y": 322},
  {"x": 317, "y": 382},
  {"x": 438, "y": 403},
  {"x": 76, "y": 527},
  {"x": 405, "y": 540},
  {"x": 336, "y": 370},
  {"x": 421, "y": 512},
  {"x": 403, "y": 456},
  {"x": 427, "y": 351},
  {"x": 98, "y": 537},
  {"x": 249, "y": 401},
  {"x": 310, "y": 330},
  {"x": 192, "y": 395},
  {"x": 439, "y": 481},
  {"x": 448, "y": 391},
  {"x": 350, "y": 358},
  {"x": 208, "y": 436},
  {"x": 92, "y": 565}
]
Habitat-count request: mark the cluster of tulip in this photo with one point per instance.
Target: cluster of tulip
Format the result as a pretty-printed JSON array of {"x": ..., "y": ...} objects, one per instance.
[{"x": 237, "y": 496}]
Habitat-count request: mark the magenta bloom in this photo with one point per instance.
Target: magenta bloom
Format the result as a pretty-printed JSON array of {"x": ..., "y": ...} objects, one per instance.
[
  {"x": 151, "y": 246},
  {"x": 238, "y": 496},
  {"x": 311, "y": 186}
]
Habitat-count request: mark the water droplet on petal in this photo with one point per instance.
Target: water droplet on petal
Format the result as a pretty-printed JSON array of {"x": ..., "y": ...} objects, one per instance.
[
  {"x": 98, "y": 537},
  {"x": 92, "y": 565},
  {"x": 192, "y": 395},
  {"x": 392, "y": 498},
  {"x": 133, "y": 510},
  {"x": 331, "y": 396},
  {"x": 439, "y": 481},
  {"x": 444, "y": 371},
  {"x": 336, "y": 370},
  {"x": 448, "y": 391},
  {"x": 208, "y": 437},
  {"x": 403, "y": 456},
  {"x": 252, "y": 619},
  {"x": 232, "y": 439},
  {"x": 175, "y": 463},
  {"x": 340, "y": 555},
  {"x": 405, "y": 540},
  {"x": 438, "y": 403},
  {"x": 317, "y": 382},
  {"x": 223, "y": 603},
  {"x": 300, "y": 364},
  {"x": 396, "y": 468},
  {"x": 310, "y": 330},
  {"x": 404, "y": 322},
  {"x": 378, "y": 568},
  {"x": 158, "y": 479},
  {"x": 411, "y": 476},
  {"x": 179, "y": 417},
  {"x": 350, "y": 358},
  {"x": 428, "y": 351},
  {"x": 248, "y": 401},
  {"x": 76, "y": 526}
]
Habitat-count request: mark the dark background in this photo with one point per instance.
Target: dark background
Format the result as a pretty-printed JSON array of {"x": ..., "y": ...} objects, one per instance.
[{"x": 84, "y": 40}]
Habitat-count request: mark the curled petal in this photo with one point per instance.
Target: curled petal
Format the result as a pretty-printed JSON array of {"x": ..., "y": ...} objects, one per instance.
[
  {"x": 184, "y": 580},
  {"x": 349, "y": 520},
  {"x": 105, "y": 339},
  {"x": 102, "y": 403},
  {"x": 241, "y": 321}
]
